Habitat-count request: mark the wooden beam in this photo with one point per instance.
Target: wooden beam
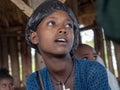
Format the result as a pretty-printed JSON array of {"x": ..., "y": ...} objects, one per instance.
[
  {"x": 87, "y": 28},
  {"x": 11, "y": 35},
  {"x": 35, "y": 3},
  {"x": 25, "y": 8},
  {"x": 11, "y": 29},
  {"x": 22, "y": 6}
]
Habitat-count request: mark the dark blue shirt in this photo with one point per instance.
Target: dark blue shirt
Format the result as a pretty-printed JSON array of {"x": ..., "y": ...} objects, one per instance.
[{"x": 89, "y": 75}]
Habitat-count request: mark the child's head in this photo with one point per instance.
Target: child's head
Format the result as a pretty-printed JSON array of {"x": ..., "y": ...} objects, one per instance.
[
  {"x": 6, "y": 80},
  {"x": 85, "y": 51},
  {"x": 44, "y": 10}
]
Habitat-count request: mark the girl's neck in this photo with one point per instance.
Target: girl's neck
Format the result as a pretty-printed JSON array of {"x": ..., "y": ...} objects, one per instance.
[
  {"x": 61, "y": 70},
  {"x": 63, "y": 77},
  {"x": 57, "y": 64}
]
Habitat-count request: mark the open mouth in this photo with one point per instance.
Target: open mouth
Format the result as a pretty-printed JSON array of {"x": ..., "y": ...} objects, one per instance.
[{"x": 61, "y": 40}]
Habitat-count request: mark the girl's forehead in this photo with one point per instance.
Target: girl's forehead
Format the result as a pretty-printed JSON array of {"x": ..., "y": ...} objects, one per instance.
[
  {"x": 6, "y": 80},
  {"x": 59, "y": 13},
  {"x": 86, "y": 49}
]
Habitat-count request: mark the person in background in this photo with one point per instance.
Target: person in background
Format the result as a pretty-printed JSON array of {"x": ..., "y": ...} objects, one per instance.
[
  {"x": 53, "y": 31},
  {"x": 6, "y": 80},
  {"x": 87, "y": 52}
]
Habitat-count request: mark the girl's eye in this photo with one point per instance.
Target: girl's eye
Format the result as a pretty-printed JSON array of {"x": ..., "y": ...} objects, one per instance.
[
  {"x": 85, "y": 58},
  {"x": 51, "y": 23},
  {"x": 4, "y": 85},
  {"x": 69, "y": 25}
]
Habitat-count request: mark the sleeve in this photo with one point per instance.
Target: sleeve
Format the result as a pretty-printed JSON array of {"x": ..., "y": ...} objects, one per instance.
[
  {"x": 32, "y": 83},
  {"x": 97, "y": 78}
]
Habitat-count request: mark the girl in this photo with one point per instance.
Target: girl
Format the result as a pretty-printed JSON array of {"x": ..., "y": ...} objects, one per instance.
[
  {"x": 6, "y": 80},
  {"x": 87, "y": 52},
  {"x": 53, "y": 31}
]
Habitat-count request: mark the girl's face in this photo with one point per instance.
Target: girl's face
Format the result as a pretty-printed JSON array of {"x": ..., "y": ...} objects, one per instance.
[
  {"x": 86, "y": 53},
  {"x": 54, "y": 34},
  {"x": 6, "y": 84}
]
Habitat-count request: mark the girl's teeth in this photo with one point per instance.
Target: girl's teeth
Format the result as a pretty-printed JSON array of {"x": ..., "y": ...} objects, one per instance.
[{"x": 61, "y": 39}]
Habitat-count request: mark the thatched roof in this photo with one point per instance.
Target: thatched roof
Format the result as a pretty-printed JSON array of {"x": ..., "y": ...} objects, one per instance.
[
  {"x": 14, "y": 14},
  {"x": 12, "y": 19}
]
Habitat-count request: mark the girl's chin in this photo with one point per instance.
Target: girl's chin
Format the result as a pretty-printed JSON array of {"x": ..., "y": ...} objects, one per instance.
[{"x": 61, "y": 55}]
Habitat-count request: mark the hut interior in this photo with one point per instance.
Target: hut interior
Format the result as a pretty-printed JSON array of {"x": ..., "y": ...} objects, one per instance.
[{"x": 21, "y": 60}]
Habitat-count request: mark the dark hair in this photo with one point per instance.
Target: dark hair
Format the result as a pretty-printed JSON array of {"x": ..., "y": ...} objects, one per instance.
[
  {"x": 45, "y": 9},
  {"x": 4, "y": 73}
]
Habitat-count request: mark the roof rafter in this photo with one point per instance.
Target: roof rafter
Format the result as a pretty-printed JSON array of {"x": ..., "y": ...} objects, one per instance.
[{"x": 23, "y": 6}]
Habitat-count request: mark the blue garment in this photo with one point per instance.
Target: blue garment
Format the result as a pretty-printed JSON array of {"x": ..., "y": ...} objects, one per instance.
[{"x": 89, "y": 75}]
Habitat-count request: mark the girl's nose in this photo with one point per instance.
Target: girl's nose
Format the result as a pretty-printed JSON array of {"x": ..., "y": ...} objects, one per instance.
[{"x": 62, "y": 31}]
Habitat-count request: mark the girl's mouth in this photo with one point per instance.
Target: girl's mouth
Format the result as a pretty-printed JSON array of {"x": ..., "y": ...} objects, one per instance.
[{"x": 61, "y": 40}]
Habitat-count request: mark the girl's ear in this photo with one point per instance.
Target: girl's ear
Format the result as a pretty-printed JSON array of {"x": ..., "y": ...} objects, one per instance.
[{"x": 33, "y": 37}]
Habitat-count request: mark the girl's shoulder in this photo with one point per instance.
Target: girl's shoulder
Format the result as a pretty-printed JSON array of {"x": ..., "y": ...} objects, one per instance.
[
  {"x": 89, "y": 66},
  {"x": 33, "y": 75},
  {"x": 32, "y": 80}
]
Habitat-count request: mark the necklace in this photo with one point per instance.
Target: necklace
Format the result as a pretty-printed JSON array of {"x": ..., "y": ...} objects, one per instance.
[{"x": 61, "y": 84}]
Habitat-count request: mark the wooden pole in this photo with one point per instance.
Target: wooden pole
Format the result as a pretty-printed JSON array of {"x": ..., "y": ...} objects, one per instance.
[
  {"x": 26, "y": 60},
  {"x": 1, "y": 53},
  {"x": 4, "y": 52},
  {"x": 117, "y": 54},
  {"x": 14, "y": 60},
  {"x": 109, "y": 55}
]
